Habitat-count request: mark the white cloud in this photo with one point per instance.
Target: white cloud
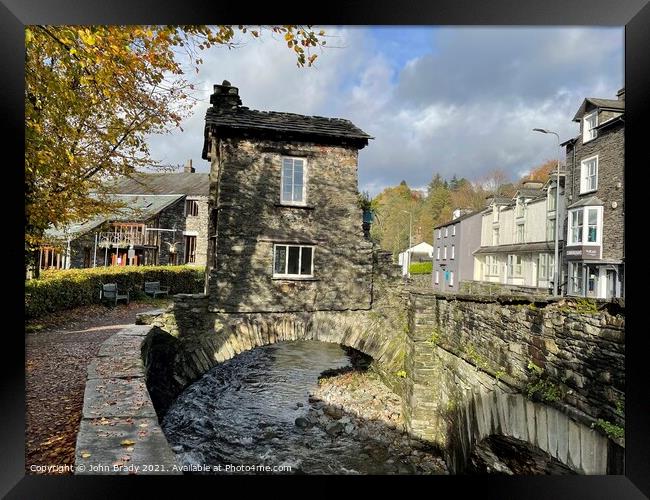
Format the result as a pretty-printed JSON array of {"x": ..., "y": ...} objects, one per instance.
[{"x": 466, "y": 106}]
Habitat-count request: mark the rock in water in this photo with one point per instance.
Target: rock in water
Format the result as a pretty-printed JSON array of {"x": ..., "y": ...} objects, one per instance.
[{"x": 303, "y": 423}]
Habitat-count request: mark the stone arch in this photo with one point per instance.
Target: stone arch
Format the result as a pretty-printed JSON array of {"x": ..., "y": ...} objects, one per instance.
[
  {"x": 231, "y": 334},
  {"x": 510, "y": 414}
]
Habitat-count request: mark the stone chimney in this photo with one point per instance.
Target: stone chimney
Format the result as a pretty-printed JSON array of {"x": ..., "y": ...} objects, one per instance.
[
  {"x": 456, "y": 213},
  {"x": 225, "y": 97},
  {"x": 188, "y": 169},
  {"x": 621, "y": 94}
]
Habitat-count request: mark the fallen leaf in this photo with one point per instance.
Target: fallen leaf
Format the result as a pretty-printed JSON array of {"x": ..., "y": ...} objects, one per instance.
[
  {"x": 85, "y": 454},
  {"x": 127, "y": 442}
]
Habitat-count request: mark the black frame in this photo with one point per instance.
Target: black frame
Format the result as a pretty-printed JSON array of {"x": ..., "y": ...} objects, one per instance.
[{"x": 633, "y": 14}]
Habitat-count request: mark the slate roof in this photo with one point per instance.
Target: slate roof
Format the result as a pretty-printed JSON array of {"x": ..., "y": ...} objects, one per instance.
[
  {"x": 591, "y": 201},
  {"x": 457, "y": 219},
  {"x": 529, "y": 193},
  {"x": 610, "y": 104},
  {"x": 139, "y": 208},
  {"x": 290, "y": 125},
  {"x": 197, "y": 184},
  {"x": 519, "y": 247}
]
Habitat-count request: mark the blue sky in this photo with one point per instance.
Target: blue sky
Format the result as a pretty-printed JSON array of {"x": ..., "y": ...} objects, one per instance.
[{"x": 450, "y": 100}]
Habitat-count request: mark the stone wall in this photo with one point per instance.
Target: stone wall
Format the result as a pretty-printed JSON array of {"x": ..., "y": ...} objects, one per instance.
[
  {"x": 487, "y": 288},
  {"x": 172, "y": 216},
  {"x": 567, "y": 355},
  {"x": 251, "y": 220},
  {"x": 119, "y": 433},
  {"x": 199, "y": 224}
]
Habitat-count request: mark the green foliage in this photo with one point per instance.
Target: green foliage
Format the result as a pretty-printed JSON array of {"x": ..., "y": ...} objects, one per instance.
[
  {"x": 540, "y": 387},
  {"x": 612, "y": 430},
  {"x": 64, "y": 289},
  {"x": 364, "y": 201},
  {"x": 620, "y": 408},
  {"x": 581, "y": 306},
  {"x": 421, "y": 268}
]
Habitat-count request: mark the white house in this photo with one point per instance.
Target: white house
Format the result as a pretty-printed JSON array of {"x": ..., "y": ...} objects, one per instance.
[{"x": 417, "y": 253}]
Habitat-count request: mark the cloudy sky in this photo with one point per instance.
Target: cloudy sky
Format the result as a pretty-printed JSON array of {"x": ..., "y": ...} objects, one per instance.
[{"x": 448, "y": 100}]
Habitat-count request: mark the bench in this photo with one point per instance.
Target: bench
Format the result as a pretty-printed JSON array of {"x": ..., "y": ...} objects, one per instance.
[
  {"x": 153, "y": 288},
  {"x": 110, "y": 293}
]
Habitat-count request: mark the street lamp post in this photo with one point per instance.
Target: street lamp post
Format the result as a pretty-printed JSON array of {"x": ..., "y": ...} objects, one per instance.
[
  {"x": 556, "y": 272},
  {"x": 408, "y": 268}
]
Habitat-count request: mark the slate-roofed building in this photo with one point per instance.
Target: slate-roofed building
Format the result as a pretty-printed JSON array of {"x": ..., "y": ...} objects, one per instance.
[
  {"x": 164, "y": 221},
  {"x": 286, "y": 228},
  {"x": 454, "y": 244},
  {"x": 595, "y": 251},
  {"x": 517, "y": 244}
]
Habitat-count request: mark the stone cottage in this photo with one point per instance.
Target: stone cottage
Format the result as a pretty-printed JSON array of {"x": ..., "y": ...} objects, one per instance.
[
  {"x": 595, "y": 158},
  {"x": 286, "y": 227},
  {"x": 164, "y": 221}
]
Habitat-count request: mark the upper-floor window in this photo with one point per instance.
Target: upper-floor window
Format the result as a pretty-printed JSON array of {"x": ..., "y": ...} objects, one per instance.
[
  {"x": 444, "y": 253},
  {"x": 552, "y": 199},
  {"x": 191, "y": 207},
  {"x": 495, "y": 236},
  {"x": 453, "y": 230},
  {"x": 439, "y": 233},
  {"x": 446, "y": 232},
  {"x": 293, "y": 261},
  {"x": 453, "y": 251},
  {"x": 589, "y": 175},
  {"x": 550, "y": 230},
  {"x": 451, "y": 278},
  {"x": 495, "y": 213},
  {"x": 585, "y": 226},
  {"x": 519, "y": 209},
  {"x": 190, "y": 249},
  {"x": 519, "y": 236},
  {"x": 589, "y": 123},
  {"x": 293, "y": 181},
  {"x": 438, "y": 253}
]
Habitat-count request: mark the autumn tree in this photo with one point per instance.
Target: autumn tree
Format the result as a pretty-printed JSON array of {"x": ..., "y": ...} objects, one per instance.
[
  {"x": 542, "y": 172},
  {"x": 92, "y": 96}
]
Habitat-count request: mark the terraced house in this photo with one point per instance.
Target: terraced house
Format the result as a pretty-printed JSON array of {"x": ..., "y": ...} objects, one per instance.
[
  {"x": 518, "y": 238},
  {"x": 595, "y": 250},
  {"x": 286, "y": 228}
]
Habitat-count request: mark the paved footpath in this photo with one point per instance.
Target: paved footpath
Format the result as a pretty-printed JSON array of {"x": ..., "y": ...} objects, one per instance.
[{"x": 58, "y": 350}]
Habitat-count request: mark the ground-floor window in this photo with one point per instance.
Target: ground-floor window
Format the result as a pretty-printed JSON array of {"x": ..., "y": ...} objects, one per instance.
[
  {"x": 451, "y": 278},
  {"x": 293, "y": 260},
  {"x": 50, "y": 258},
  {"x": 514, "y": 265},
  {"x": 576, "y": 278},
  {"x": 437, "y": 277},
  {"x": 546, "y": 266},
  {"x": 491, "y": 265}
]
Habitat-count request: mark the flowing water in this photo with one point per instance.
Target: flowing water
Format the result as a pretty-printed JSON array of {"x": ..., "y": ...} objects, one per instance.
[{"x": 243, "y": 413}]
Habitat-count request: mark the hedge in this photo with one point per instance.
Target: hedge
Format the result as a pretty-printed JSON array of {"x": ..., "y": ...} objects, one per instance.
[
  {"x": 421, "y": 268},
  {"x": 57, "y": 290}
]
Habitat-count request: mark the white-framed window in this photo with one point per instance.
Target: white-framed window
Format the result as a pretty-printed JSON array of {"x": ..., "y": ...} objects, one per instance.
[
  {"x": 453, "y": 230},
  {"x": 451, "y": 278},
  {"x": 495, "y": 236},
  {"x": 453, "y": 251},
  {"x": 438, "y": 253},
  {"x": 519, "y": 235},
  {"x": 439, "y": 233},
  {"x": 293, "y": 261},
  {"x": 514, "y": 268},
  {"x": 550, "y": 230},
  {"x": 293, "y": 181},
  {"x": 552, "y": 199},
  {"x": 492, "y": 265},
  {"x": 446, "y": 231},
  {"x": 444, "y": 253},
  {"x": 589, "y": 124},
  {"x": 437, "y": 276},
  {"x": 495, "y": 213},
  {"x": 546, "y": 268},
  {"x": 576, "y": 283},
  {"x": 585, "y": 226},
  {"x": 519, "y": 208},
  {"x": 589, "y": 174}
]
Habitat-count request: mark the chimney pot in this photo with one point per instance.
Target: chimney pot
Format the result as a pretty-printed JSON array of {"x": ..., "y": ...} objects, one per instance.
[
  {"x": 189, "y": 169},
  {"x": 225, "y": 96}
]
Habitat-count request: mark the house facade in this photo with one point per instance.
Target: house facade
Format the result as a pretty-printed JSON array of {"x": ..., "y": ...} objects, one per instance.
[
  {"x": 422, "y": 252},
  {"x": 163, "y": 222},
  {"x": 286, "y": 228},
  {"x": 595, "y": 252},
  {"x": 454, "y": 244},
  {"x": 517, "y": 246}
]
